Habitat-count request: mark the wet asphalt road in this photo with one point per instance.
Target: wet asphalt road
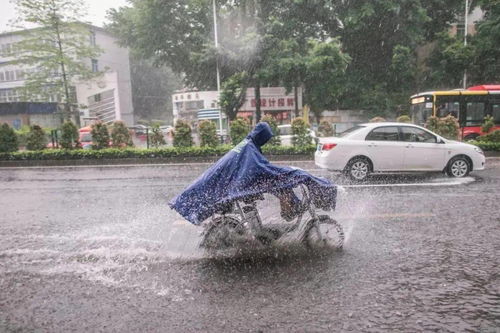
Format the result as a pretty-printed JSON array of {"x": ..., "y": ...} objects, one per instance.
[{"x": 96, "y": 249}]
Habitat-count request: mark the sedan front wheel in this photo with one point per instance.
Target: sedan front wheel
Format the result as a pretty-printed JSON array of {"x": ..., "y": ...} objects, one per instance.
[{"x": 458, "y": 167}]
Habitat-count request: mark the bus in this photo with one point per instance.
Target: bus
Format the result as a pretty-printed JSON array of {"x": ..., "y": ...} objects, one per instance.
[{"x": 469, "y": 106}]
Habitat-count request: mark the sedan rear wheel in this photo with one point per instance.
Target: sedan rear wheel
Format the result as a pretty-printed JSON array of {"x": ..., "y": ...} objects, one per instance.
[
  {"x": 458, "y": 167},
  {"x": 358, "y": 169}
]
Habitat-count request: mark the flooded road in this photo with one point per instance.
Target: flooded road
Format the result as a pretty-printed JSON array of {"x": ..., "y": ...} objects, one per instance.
[{"x": 97, "y": 249}]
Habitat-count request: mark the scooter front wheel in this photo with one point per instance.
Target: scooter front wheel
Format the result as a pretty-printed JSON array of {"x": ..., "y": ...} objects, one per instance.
[
  {"x": 222, "y": 233},
  {"x": 323, "y": 231}
]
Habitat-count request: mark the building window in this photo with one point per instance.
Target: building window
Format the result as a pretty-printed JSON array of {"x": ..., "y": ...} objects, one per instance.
[
  {"x": 97, "y": 98},
  {"x": 2, "y": 76},
  {"x": 95, "y": 66},
  {"x": 3, "y": 96},
  {"x": 9, "y": 76},
  {"x": 5, "y": 49},
  {"x": 92, "y": 38},
  {"x": 189, "y": 96}
]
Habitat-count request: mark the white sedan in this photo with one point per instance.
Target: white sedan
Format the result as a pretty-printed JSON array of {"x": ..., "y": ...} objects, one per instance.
[{"x": 396, "y": 147}]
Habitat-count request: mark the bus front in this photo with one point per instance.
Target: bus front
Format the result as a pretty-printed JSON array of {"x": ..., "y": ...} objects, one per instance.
[{"x": 421, "y": 108}]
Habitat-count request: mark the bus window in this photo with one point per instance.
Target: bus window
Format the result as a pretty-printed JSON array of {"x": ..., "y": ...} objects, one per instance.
[
  {"x": 475, "y": 112},
  {"x": 420, "y": 112},
  {"x": 495, "y": 113},
  {"x": 448, "y": 108}
]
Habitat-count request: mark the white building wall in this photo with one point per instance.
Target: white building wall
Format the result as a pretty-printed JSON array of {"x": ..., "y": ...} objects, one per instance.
[{"x": 114, "y": 61}]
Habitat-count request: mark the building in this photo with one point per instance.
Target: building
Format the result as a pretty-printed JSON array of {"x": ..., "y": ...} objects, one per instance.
[
  {"x": 106, "y": 98},
  {"x": 274, "y": 101},
  {"x": 458, "y": 28}
]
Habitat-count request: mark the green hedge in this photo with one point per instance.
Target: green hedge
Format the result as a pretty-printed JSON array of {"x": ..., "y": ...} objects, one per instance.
[
  {"x": 487, "y": 146},
  {"x": 115, "y": 153}
]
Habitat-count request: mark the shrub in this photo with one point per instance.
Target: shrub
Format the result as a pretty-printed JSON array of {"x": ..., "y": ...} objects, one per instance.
[
  {"x": 300, "y": 132},
  {"x": 487, "y": 145},
  {"x": 69, "y": 135},
  {"x": 403, "y": 119},
  {"x": 120, "y": 135},
  {"x": 239, "y": 130},
  {"x": 8, "y": 139},
  {"x": 491, "y": 137},
  {"x": 129, "y": 152},
  {"x": 488, "y": 124},
  {"x": 22, "y": 135},
  {"x": 377, "y": 120},
  {"x": 447, "y": 127},
  {"x": 275, "y": 140},
  {"x": 156, "y": 138},
  {"x": 36, "y": 139},
  {"x": 182, "y": 134},
  {"x": 208, "y": 133},
  {"x": 325, "y": 129},
  {"x": 100, "y": 135}
]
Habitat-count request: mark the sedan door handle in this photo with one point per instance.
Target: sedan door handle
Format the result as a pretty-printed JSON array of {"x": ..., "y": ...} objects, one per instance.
[
  {"x": 372, "y": 145},
  {"x": 410, "y": 146}
]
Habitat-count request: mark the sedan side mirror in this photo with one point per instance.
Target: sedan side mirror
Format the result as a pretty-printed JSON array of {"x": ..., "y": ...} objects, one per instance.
[{"x": 440, "y": 140}]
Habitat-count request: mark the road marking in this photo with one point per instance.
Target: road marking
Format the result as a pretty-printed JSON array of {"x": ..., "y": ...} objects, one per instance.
[
  {"x": 387, "y": 215},
  {"x": 463, "y": 181}
]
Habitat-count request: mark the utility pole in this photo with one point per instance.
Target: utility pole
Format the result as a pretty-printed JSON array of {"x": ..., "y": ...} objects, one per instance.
[
  {"x": 466, "y": 26},
  {"x": 216, "y": 46},
  {"x": 217, "y": 64}
]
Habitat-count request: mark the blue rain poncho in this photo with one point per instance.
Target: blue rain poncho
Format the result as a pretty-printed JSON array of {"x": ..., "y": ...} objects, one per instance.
[{"x": 245, "y": 172}]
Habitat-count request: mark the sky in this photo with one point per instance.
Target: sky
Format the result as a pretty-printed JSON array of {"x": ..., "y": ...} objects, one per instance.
[{"x": 96, "y": 11}]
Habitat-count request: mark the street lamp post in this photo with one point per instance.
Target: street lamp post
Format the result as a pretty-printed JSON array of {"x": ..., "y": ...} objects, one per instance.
[
  {"x": 466, "y": 23},
  {"x": 217, "y": 64}
]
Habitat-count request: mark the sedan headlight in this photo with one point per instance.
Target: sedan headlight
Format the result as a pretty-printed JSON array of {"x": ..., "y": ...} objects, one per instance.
[{"x": 477, "y": 149}]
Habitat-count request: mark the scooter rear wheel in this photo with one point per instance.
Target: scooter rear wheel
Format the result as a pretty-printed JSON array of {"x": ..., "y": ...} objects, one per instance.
[{"x": 324, "y": 232}]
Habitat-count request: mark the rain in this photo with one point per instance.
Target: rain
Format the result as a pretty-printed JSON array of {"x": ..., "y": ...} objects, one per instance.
[{"x": 189, "y": 221}]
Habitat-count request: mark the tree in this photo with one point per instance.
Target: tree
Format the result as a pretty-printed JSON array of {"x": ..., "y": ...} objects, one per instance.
[
  {"x": 403, "y": 119},
  {"x": 233, "y": 95},
  {"x": 120, "y": 135},
  {"x": 488, "y": 124},
  {"x": 152, "y": 89},
  {"x": 300, "y": 131},
  {"x": 374, "y": 34},
  {"x": 208, "y": 133},
  {"x": 239, "y": 130},
  {"x": 486, "y": 60},
  {"x": 56, "y": 54},
  {"x": 447, "y": 127},
  {"x": 325, "y": 129},
  {"x": 156, "y": 137},
  {"x": 36, "y": 140},
  {"x": 69, "y": 135},
  {"x": 8, "y": 139},
  {"x": 377, "y": 120},
  {"x": 182, "y": 134},
  {"x": 325, "y": 79},
  {"x": 100, "y": 135},
  {"x": 448, "y": 61}
]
